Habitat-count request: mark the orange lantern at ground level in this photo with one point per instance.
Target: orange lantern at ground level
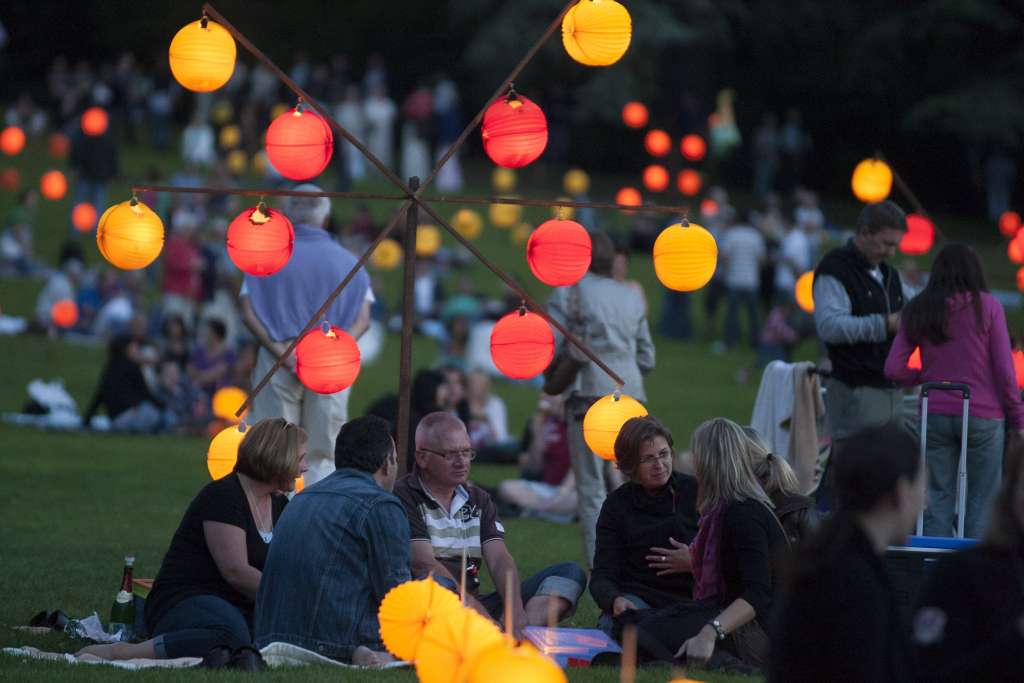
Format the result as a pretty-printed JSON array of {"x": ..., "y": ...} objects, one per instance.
[
  {"x": 83, "y": 217},
  {"x": 387, "y": 255},
  {"x": 1014, "y": 252},
  {"x": 64, "y": 313},
  {"x": 327, "y": 361},
  {"x": 522, "y": 345},
  {"x": 605, "y": 418},
  {"x": 450, "y": 642},
  {"x": 514, "y": 131},
  {"x": 202, "y": 55},
  {"x": 558, "y": 252},
  {"x": 693, "y": 147},
  {"x": 222, "y": 454},
  {"x": 468, "y": 223},
  {"x": 871, "y": 181},
  {"x": 685, "y": 257},
  {"x": 919, "y": 237},
  {"x": 803, "y": 291},
  {"x": 688, "y": 181},
  {"x": 407, "y": 609},
  {"x": 503, "y": 663},
  {"x": 656, "y": 178},
  {"x": 635, "y": 115},
  {"x": 597, "y": 32},
  {"x": 130, "y": 235},
  {"x": 226, "y": 401},
  {"x": 1009, "y": 223},
  {"x": 628, "y": 196},
  {"x": 95, "y": 121},
  {"x": 12, "y": 140},
  {"x": 58, "y": 145},
  {"x": 914, "y": 362},
  {"x": 53, "y": 185},
  {"x": 657, "y": 143},
  {"x": 299, "y": 144},
  {"x": 260, "y": 241}
]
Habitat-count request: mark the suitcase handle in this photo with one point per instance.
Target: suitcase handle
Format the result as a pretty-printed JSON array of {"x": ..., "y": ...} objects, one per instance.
[{"x": 964, "y": 389}]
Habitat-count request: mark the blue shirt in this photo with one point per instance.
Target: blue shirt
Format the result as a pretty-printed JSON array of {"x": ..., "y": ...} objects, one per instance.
[
  {"x": 338, "y": 548},
  {"x": 285, "y": 300}
]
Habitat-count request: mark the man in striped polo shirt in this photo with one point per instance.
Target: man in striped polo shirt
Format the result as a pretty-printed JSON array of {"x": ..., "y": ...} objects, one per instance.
[{"x": 448, "y": 514}]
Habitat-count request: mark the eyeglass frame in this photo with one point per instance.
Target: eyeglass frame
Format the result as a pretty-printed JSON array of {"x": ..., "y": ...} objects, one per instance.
[
  {"x": 651, "y": 459},
  {"x": 468, "y": 454}
]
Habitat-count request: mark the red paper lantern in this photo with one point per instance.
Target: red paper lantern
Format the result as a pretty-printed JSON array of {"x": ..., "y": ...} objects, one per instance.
[
  {"x": 559, "y": 252},
  {"x": 95, "y": 121},
  {"x": 657, "y": 143},
  {"x": 299, "y": 144},
  {"x": 515, "y": 131},
  {"x": 522, "y": 345},
  {"x": 708, "y": 208},
  {"x": 83, "y": 217},
  {"x": 1014, "y": 252},
  {"x": 634, "y": 115},
  {"x": 1018, "y": 367},
  {"x": 629, "y": 196},
  {"x": 327, "y": 361},
  {"x": 53, "y": 185},
  {"x": 914, "y": 362},
  {"x": 10, "y": 179},
  {"x": 1020, "y": 279},
  {"x": 919, "y": 237},
  {"x": 693, "y": 147},
  {"x": 260, "y": 241},
  {"x": 656, "y": 178},
  {"x": 64, "y": 313},
  {"x": 58, "y": 145},
  {"x": 1009, "y": 223},
  {"x": 688, "y": 182},
  {"x": 12, "y": 140}
]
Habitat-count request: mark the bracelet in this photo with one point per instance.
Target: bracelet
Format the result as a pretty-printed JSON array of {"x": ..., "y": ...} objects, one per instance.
[{"x": 719, "y": 631}]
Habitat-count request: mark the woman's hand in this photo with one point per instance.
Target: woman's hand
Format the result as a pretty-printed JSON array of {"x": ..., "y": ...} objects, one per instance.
[
  {"x": 698, "y": 650},
  {"x": 622, "y": 604},
  {"x": 675, "y": 560}
]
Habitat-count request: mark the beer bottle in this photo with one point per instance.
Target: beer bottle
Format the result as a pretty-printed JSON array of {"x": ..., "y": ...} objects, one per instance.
[{"x": 122, "y": 613}]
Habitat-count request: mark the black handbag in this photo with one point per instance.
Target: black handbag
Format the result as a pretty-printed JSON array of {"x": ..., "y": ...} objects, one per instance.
[{"x": 569, "y": 359}]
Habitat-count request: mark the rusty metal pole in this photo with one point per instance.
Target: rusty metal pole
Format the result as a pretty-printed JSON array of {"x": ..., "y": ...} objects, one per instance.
[{"x": 405, "y": 355}]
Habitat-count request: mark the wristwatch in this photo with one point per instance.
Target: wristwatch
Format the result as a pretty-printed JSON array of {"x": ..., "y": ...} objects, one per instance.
[{"x": 717, "y": 625}]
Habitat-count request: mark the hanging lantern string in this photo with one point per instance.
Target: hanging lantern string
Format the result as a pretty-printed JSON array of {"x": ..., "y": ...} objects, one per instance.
[{"x": 262, "y": 192}]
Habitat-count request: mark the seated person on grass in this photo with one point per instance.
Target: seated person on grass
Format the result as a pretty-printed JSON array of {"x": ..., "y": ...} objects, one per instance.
[
  {"x": 449, "y": 515},
  {"x": 203, "y": 595},
  {"x": 341, "y": 546}
]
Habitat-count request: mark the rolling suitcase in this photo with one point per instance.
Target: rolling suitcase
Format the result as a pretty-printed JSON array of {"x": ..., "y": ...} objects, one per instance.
[{"x": 961, "y": 477}]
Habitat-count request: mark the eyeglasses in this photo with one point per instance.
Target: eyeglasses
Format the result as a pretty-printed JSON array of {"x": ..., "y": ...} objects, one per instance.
[
  {"x": 466, "y": 454},
  {"x": 663, "y": 456}
]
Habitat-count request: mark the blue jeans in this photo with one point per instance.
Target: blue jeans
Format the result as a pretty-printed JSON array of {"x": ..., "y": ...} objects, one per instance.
[
  {"x": 984, "y": 472},
  {"x": 606, "y": 622},
  {"x": 736, "y": 298},
  {"x": 198, "y": 624},
  {"x": 565, "y": 580}
]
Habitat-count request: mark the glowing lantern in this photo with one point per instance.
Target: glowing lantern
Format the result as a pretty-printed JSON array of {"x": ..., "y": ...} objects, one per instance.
[
  {"x": 53, "y": 185},
  {"x": 1020, "y": 279},
  {"x": 803, "y": 291},
  {"x": 223, "y": 452},
  {"x": 914, "y": 362},
  {"x": 260, "y": 241},
  {"x": 1009, "y": 223},
  {"x": 688, "y": 182},
  {"x": 693, "y": 147},
  {"x": 407, "y": 609},
  {"x": 299, "y": 144},
  {"x": 58, "y": 145},
  {"x": 1018, "y": 366},
  {"x": 634, "y": 115},
  {"x": 505, "y": 215},
  {"x": 576, "y": 182},
  {"x": 708, "y": 208},
  {"x": 10, "y": 179},
  {"x": 230, "y": 137},
  {"x": 226, "y": 401},
  {"x": 872, "y": 181},
  {"x": 130, "y": 235},
  {"x": 387, "y": 255},
  {"x": 522, "y": 344},
  {"x": 428, "y": 240},
  {"x": 327, "y": 361},
  {"x": 515, "y": 131},
  {"x": 605, "y": 418},
  {"x": 657, "y": 143},
  {"x": 596, "y": 32},
  {"x": 95, "y": 121},
  {"x": 521, "y": 233},
  {"x": 202, "y": 55},
  {"x": 237, "y": 161},
  {"x": 558, "y": 252},
  {"x": 1015, "y": 252},
  {"x": 64, "y": 313},
  {"x": 685, "y": 257},
  {"x": 468, "y": 223},
  {"x": 12, "y": 140},
  {"x": 656, "y": 178},
  {"x": 450, "y": 642},
  {"x": 628, "y": 196},
  {"x": 503, "y": 179},
  {"x": 83, "y": 217},
  {"x": 919, "y": 237},
  {"x": 510, "y": 664},
  {"x": 300, "y": 483}
]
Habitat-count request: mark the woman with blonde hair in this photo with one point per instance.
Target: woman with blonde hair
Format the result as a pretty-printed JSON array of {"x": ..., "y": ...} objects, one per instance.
[
  {"x": 794, "y": 510},
  {"x": 203, "y": 595}
]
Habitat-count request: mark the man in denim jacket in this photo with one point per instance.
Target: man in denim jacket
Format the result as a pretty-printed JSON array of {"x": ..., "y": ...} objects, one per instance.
[{"x": 338, "y": 548}]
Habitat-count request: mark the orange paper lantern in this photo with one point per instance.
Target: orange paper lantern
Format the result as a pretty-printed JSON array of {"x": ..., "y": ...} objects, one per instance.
[
  {"x": 522, "y": 344},
  {"x": 387, "y": 255},
  {"x": 83, "y": 217},
  {"x": 1009, "y": 223},
  {"x": 628, "y": 196},
  {"x": 58, "y": 145},
  {"x": 708, "y": 208},
  {"x": 914, "y": 362},
  {"x": 95, "y": 121},
  {"x": 1015, "y": 252},
  {"x": 428, "y": 240},
  {"x": 64, "y": 313},
  {"x": 468, "y": 223},
  {"x": 656, "y": 178},
  {"x": 505, "y": 663},
  {"x": 226, "y": 401},
  {"x": 919, "y": 237},
  {"x": 10, "y": 179},
  {"x": 407, "y": 609},
  {"x": 635, "y": 115},
  {"x": 596, "y": 32},
  {"x": 605, "y": 418},
  {"x": 685, "y": 257},
  {"x": 803, "y": 291},
  {"x": 872, "y": 181},
  {"x": 53, "y": 185},
  {"x": 693, "y": 147},
  {"x": 514, "y": 131},
  {"x": 688, "y": 181},
  {"x": 327, "y": 362},
  {"x": 260, "y": 241},
  {"x": 558, "y": 252},
  {"x": 451, "y": 642},
  {"x": 130, "y": 235},
  {"x": 202, "y": 56},
  {"x": 12, "y": 140},
  {"x": 657, "y": 143},
  {"x": 222, "y": 454},
  {"x": 299, "y": 144},
  {"x": 1018, "y": 366}
]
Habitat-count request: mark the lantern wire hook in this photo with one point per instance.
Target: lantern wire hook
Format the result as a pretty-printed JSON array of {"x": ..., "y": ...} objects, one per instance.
[
  {"x": 204, "y": 20},
  {"x": 522, "y": 308}
]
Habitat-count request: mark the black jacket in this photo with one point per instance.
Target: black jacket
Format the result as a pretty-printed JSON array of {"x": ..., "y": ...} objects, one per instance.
[{"x": 632, "y": 521}]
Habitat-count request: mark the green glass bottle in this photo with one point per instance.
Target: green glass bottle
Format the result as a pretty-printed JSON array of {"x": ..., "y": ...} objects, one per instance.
[{"x": 122, "y": 612}]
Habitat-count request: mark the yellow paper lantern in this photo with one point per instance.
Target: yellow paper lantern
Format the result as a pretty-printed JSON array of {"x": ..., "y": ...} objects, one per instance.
[
  {"x": 226, "y": 401},
  {"x": 450, "y": 642},
  {"x": 521, "y": 233},
  {"x": 563, "y": 213},
  {"x": 428, "y": 240},
  {"x": 130, "y": 235},
  {"x": 685, "y": 257},
  {"x": 407, "y": 609},
  {"x": 576, "y": 182},
  {"x": 803, "y": 291},
  {"x": 505, "y": 215},
  {"x": 230, "y": 137},
  {"x": 468, "y": 222},
  {"x": 238, "y": 161},
  {"x": 387, "y": 255},
  {"x": 223, "y": 452},
  {"x": 512, "y": 664},
  {"x": 503, "y": 179},
  {"x": 596, "y": 32},
  {"x": 605, "y": 418},
  {"x": 202, "y": 56},
  {"x": 872, "y": 181}
]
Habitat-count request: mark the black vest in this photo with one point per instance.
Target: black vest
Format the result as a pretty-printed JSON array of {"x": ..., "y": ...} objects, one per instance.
[{"x": 862, "y": 364}]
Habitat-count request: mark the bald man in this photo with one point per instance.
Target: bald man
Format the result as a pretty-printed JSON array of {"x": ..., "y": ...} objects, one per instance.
[{"x": 448, "y": 514}]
